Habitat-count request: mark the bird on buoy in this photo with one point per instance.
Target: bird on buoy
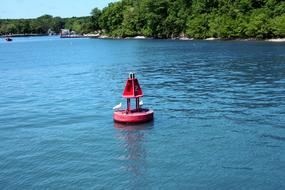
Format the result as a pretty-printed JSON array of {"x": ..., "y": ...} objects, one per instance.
[
  {"x": 141, "y": 103},
  {"x": 117, "y": 106}
]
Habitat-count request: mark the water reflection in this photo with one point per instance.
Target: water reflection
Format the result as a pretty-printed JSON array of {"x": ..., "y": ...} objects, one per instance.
[
  {"x": 132, "y": 139},
  {"x": 133, "y": 127}
]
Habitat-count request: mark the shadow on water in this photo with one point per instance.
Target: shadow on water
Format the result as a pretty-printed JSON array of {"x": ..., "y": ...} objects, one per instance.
[
  {"x": 132, "y": 139},
  {"x": 133, "y": 127}
]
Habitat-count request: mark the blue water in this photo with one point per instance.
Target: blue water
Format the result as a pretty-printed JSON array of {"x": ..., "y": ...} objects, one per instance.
[{"x": 219, "y": 114}]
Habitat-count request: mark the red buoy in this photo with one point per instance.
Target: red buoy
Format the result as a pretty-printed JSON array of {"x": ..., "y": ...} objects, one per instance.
[{"x": 138, "y": 114}]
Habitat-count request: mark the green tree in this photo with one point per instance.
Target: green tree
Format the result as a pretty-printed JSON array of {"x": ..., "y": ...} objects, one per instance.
[
  {"x": 168, "y": 19},
  {"x": 112, "y": 18},
  {"x": 95, "y": 16},
  {"x": 198, "y": 26},
  {"x": 277, "y": 25},
  {"x": 258, "y": 26},
  {"x": 57, "y": 24}
]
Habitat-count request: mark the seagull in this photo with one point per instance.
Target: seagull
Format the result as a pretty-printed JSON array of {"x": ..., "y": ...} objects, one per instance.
[
  {"x": 141, "y": 103},
  {"x": 117, "y": 106}
]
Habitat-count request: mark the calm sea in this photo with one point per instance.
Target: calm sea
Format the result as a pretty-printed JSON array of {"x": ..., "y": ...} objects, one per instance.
[{"x": 219, "y": 115}]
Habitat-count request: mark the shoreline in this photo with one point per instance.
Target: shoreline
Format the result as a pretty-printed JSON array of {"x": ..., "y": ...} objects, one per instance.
[
  {"x": 97, "y": 36},
  {"x": 23, "y": 35},
  {"x": 192, "y": 39}
]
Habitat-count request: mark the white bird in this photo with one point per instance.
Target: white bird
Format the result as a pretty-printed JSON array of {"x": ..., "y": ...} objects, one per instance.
[
  {"x": 141, "y": 103},
  {"x": 117, "y": 106}
]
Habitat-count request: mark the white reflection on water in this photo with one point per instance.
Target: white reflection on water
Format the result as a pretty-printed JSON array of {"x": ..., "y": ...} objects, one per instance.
[{"x": 135, "y": 153}]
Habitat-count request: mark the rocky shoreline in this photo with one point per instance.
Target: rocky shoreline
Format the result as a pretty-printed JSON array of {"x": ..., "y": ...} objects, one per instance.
[
  {"x": 99, "y": 36},
  {"x": 189, "y": 39}
]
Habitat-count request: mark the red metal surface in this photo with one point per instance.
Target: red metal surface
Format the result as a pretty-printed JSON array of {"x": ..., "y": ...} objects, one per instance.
[
  {"x": 137, "y": 115},
  {"x": 132, "y": 89},
  {"x": 144, "y": 115}
]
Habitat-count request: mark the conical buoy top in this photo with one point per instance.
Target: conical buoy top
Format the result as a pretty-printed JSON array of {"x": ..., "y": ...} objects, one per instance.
[{"x": 132, "y": 89}]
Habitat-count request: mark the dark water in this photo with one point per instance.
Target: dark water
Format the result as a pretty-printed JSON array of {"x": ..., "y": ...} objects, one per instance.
[{"x": 219, "y": 115}]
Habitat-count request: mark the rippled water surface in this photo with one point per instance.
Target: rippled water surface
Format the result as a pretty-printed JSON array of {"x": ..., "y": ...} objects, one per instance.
[{"x": 219, "y": 114}]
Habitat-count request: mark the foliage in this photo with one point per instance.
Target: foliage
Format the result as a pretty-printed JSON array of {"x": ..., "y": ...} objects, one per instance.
[
  {"x": 195, "y": 18},
  {"x": 94, "y": 20},
  {"x": 169, "y": 19},
  {"x": 277, "y": 25}
]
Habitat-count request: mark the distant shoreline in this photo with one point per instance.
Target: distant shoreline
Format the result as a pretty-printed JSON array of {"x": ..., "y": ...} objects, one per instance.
[
  {"x": 148, "y": 38},
  {"x": 23, "y": 35},
  {"x": 190, "y": 39}
]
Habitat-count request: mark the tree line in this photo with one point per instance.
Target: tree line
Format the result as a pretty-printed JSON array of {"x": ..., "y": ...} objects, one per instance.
[
  {"x": 43, "y": 24},
  {"x": 169, "y": 19}
]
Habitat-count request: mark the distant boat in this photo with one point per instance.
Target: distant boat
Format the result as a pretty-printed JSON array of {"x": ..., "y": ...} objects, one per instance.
[{"x": 8, "y": 39}]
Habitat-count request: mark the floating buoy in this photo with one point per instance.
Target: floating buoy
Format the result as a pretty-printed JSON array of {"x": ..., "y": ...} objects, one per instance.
[{"x": 138, "y": 114}]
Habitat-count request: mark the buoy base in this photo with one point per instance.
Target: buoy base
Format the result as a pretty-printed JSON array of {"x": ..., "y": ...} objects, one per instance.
[{"x": 134, "y": 116}]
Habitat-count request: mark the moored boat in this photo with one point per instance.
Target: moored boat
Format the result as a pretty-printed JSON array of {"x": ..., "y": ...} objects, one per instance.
[{"x": 8, "y": 39}]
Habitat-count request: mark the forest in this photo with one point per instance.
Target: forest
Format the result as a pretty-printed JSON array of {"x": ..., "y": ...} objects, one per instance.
[{"x": 199, "y": 19}]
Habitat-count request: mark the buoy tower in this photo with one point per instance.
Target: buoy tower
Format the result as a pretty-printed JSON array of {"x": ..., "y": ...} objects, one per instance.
[{"x": 137, "y": 114}]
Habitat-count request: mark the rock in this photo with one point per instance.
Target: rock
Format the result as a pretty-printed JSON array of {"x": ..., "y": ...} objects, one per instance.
[
  {"x": 276, "y": 40},
  {"x": 212, "y": 38},
  {"x": 185, "y": 38},
  {"x": 103, "y": 37},
  {"x": 139, "y": 37}
]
